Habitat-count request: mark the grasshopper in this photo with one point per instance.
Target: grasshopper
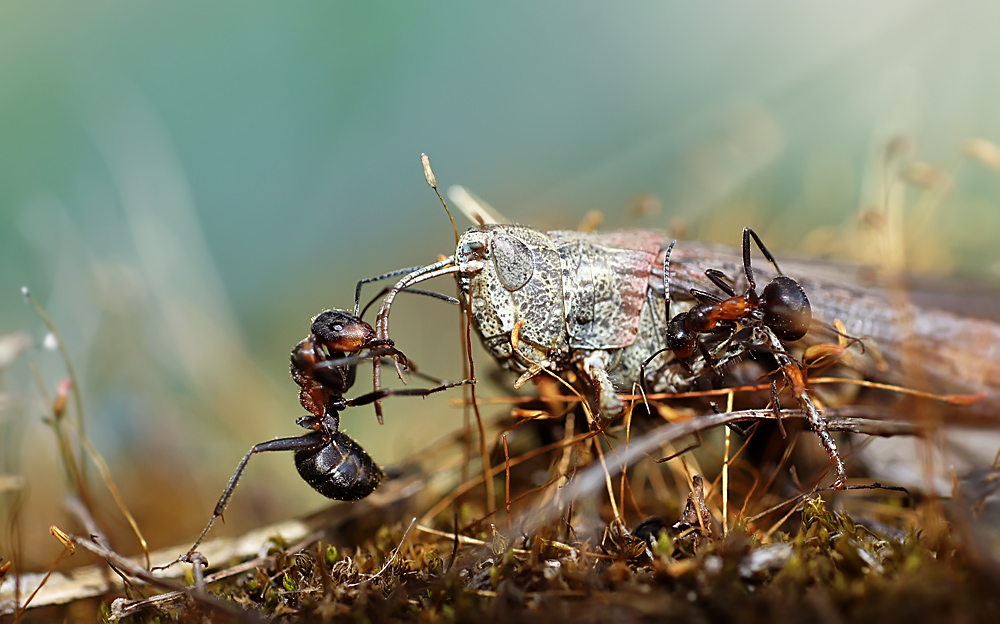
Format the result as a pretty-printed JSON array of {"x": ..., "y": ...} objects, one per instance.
[
  {"x": 597, "y": 304},
  {"x": 587, "y": 302}
]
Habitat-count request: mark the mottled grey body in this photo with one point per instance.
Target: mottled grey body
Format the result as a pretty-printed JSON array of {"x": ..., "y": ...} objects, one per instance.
[
  {"x": 596, "y": 304},
  {"x": 957, "y": 353},
  {"x": 591, "y": 302}
]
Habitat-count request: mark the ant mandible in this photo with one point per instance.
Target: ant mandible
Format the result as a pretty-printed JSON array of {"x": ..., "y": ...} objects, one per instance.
[
  {"x": 324, "y": 365},
  {"x": 780, "y": 313}
]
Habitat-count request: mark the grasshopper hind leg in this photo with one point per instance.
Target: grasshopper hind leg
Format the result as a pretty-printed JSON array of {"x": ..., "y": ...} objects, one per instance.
[{"x": 595, "y": 368}]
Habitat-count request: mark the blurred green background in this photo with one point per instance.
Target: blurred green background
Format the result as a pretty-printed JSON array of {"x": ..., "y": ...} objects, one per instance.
[{"x": 183, "y": 185}]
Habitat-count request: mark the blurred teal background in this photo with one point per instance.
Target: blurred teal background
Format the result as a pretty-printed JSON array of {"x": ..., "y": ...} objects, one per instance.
[{"x": 183, "y": 185}]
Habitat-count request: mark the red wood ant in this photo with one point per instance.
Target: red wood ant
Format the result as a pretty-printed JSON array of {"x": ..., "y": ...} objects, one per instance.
[
  {"x": 782, "y": 307},
  {"x": 779, "y": 313},
  {"x": 324, "y": 365}
]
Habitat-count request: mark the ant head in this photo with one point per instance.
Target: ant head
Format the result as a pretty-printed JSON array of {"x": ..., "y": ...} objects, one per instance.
[
  {"x": 786, "y": 308},
  {"x": 680, "y": 339},
  {"x": 341, "y": 331},
  {"x": 340, "y": 469}
]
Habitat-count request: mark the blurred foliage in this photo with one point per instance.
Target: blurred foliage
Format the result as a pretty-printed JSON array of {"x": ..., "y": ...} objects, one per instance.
[{"x": 829, "y": 569}]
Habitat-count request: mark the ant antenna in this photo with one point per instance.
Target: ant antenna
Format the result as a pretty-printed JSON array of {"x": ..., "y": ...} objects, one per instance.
[{"x": 666, "y": 277}]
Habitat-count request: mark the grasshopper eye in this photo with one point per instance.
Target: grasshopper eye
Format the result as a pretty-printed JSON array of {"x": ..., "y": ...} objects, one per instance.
[{"x": 514, "y": 262}]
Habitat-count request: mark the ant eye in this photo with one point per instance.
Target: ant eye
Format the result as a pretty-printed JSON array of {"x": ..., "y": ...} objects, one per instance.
[
  {"x": 340, "y": 331},
  {"x": 786, "y": 308}
]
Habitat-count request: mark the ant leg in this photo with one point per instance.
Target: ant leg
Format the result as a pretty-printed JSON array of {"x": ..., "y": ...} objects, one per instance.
[
  {"x": 760, "y": 245},
  {"x": 399, "y": 360},
  {"x": 751, "y": 283},
  {"x": 642, "y": 369},
  {"x": 706, "y": 355},
  {"x": 776, "y": 410},
  {"x": 422, "y": 375},
  {"x": 663, "y": 330},
  {"x": 721, "y": 280},
  {"x": 794, "y": 378},
  {"x": 726, "y": 349},
  {"x": 357, "y": 358},
  {"x": 705, "y": 297},
  {"x": 307, "y": 441},
  {"x": 818, "y": 424},
  {"x": 381, "y": 393},
  {"x": 744, "y": 429}
]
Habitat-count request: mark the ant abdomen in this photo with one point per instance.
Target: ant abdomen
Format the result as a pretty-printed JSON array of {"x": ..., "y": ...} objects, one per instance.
[
  {"x": 338, "y": 468},
  {"x": 786, "y": 308}
]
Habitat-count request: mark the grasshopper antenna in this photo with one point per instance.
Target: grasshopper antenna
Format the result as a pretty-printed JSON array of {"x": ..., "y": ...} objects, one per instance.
[
  {"x": 432, "y": 182},
  {"x": 468, "y": 365}
]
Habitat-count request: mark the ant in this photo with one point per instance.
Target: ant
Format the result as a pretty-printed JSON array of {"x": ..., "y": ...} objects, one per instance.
[
  {"x": 779, "y": 313},
  {"x": 782, "y": 307},
  {"x": 324, "y": 365}
]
